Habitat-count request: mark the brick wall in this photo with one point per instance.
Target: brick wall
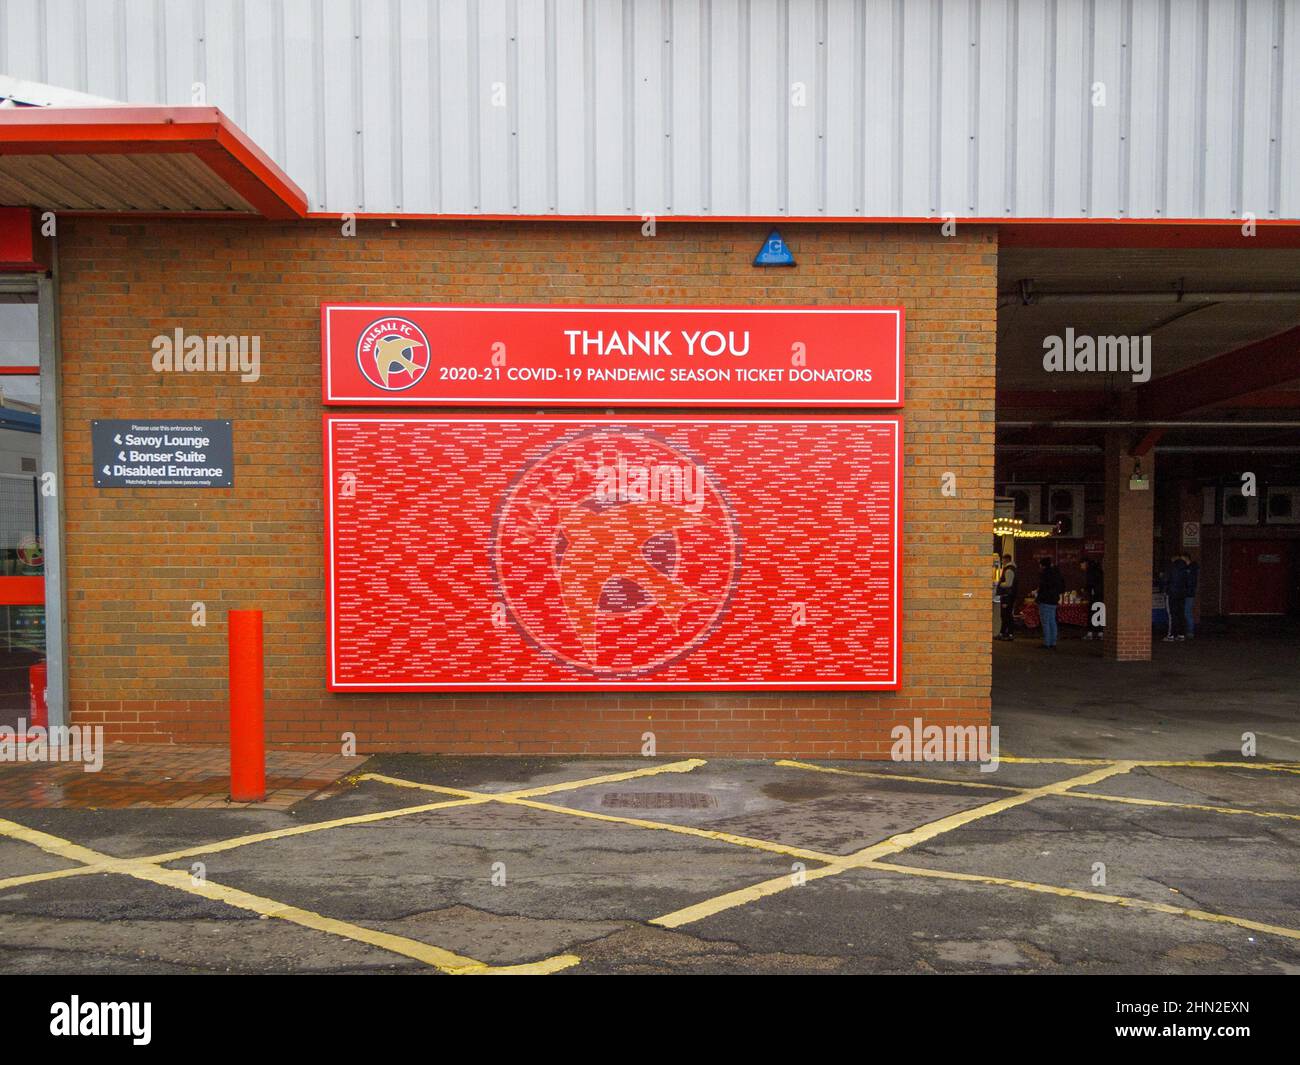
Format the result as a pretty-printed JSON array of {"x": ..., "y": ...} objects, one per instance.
[
  {"x": 1130, "y": 520},
  {"x": 138, "y": 559}
]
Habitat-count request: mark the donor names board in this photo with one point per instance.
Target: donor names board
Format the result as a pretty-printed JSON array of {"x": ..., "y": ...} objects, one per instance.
[
  {"x": 140, "y": 454},
  {"x": 601, "y": 553},
  {"x": 598, "y": 356}
]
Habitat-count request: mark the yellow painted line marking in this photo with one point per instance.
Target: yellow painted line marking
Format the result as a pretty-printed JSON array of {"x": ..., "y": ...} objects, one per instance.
[
  {"x": 685, "y": 766},
  {"x": 146, "y": 869},
  {"x": 472, "y": 798},
  {"x": 303, "y": 830},
  {"x": 1092, "y": 896},
  {"x": 419, "y": 785},
  {"x": 1073, "y": 794},
  {"x": 1273, "y": 767},
  {"x": 895, "y": 776},
  {"x": 927, "y": 832},
  {"x": 1181, "y": 805},
  {"x": 636, "y": 822},
  {"x": 893, "y": 845},
  {"x": 244, "y": 900},
  {"x": 534, "y": 968},
  {"x": 56, "y": 845},
  {"x": 1054, "y": 761},
  {"x": 217, "y": 847},
  {"x": 1268, "y": 767},
  {"x": 151, "y": 869},
  {"x": 57, "y": 874},
  {"x": 689, "y": 830},
  {"x": 444, "y": 960},
  {"x": 742, "y": 896}
]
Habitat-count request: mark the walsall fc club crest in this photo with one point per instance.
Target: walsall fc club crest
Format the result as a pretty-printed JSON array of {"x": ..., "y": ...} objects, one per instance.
[
  {"x": 393, "y": 354},
  {"x": 615, "y": 552}
]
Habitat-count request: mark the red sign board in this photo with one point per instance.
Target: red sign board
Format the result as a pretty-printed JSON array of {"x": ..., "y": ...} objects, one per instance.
[
  {"x": 710, "y": 553},
  {"x": 602, "y": 356}
]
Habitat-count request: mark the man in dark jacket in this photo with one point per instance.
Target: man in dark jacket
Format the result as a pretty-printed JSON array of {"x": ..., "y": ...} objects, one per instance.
[
  {"x": 1050, "y": 586},
  {"x": 1176, "y": 589}
]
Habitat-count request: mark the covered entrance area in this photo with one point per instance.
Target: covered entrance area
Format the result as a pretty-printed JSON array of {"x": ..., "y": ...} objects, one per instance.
[
  {"x": 1148, "y": 414},
  {"x": 89, "y": 158}
]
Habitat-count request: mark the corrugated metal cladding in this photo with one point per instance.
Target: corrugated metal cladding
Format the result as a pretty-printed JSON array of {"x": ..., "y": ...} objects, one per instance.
[{"x": 906, "y": 108}]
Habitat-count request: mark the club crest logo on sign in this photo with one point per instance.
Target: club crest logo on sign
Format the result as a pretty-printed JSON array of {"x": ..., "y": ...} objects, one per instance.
[
  {"x": 393, "y": 354},
  {"x": 615, "y": 552}
]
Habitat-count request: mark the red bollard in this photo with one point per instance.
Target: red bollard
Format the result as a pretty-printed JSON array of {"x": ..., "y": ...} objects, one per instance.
[
  {"x": 37, "y": 678},
  {"x": 247, "y": 736}
]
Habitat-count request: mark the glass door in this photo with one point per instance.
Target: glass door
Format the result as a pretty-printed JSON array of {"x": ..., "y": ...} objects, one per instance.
[{"x": 22, "y": 552}]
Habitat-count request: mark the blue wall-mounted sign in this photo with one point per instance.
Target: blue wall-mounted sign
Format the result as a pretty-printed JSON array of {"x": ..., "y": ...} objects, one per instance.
[{"x": 775, "y": 252}]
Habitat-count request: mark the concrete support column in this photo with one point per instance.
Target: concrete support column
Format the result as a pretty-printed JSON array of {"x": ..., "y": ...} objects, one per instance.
[{"x": 1130, "y": 524}]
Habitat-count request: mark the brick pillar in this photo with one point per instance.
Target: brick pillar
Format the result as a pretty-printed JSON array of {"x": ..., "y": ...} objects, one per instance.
[{"x": 1130, "y": 523}]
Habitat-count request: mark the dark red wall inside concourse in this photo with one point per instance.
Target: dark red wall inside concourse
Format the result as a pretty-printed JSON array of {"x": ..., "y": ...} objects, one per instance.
[{"x": 139, "y": 559}]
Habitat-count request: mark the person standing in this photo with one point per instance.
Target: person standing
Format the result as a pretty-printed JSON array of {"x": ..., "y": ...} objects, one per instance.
[
  {"x": 1176, "y": 584},
  {"x": 1050, "y": 586},
  {"x": 1093, "y": 584},
  {"x": 1007, "y": 586}
]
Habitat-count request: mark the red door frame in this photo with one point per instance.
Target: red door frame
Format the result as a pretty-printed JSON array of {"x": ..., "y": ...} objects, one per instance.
[{"x": 25, "y": 590}]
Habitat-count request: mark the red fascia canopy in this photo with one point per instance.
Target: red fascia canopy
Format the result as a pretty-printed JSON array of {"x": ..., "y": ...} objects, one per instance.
[{"x": 126, "y": 160}]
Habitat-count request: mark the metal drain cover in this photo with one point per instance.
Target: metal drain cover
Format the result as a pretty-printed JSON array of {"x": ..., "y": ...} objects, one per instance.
[{"x": 658, "y": 800}]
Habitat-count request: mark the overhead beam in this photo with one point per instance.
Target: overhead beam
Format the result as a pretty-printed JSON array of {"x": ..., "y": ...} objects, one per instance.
[
  {"x": 1254, "y": 367},
  {"x": 1014, "y": 399},
  {"x": 1058, "y": 233},
  {"x": 1148, "y": 442},
  {"x": 1279, "y": 399}
]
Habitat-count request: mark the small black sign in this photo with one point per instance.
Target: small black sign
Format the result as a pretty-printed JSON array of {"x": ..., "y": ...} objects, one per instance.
[{"x": 131, "y": 454}]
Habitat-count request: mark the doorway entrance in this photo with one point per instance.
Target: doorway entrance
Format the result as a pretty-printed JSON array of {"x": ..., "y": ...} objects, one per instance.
[
  {"x": 22, "y": 540},
  {"x": 1259, "y": 576}
]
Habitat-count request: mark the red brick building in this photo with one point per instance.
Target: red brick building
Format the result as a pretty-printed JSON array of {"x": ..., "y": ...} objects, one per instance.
[
  {"x": 148, "y": 554},
  {"x": 1006, "y": 206}
]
